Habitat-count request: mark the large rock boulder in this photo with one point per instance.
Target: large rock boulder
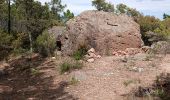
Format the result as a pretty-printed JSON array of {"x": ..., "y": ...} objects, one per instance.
[
  {"x": 57, "y": 32},
  {"x": 103, "y": 31}
]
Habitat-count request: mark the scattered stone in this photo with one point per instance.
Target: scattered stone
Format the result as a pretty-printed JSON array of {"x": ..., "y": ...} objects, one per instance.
[
  {"x": 146, "y": 49},
  {"x": 58, "y": 53},
  {"x": 128, "y": 51},
  {"x": 92, "y": 50},
  {"x": 133, "y": 51},
  {"x": 3, "y": 66},
  {"x": 91, "y": 60},
  {"x": 136, "y": 69},
  {"x": 140, "y": 70},
  {"x": 98, "y": 56},
  {"x": 81, "y": 61},
  {"x": 53, "y": 58},
  {"x": 91, "y": 55},
  {"x": 31, "y": 99}
]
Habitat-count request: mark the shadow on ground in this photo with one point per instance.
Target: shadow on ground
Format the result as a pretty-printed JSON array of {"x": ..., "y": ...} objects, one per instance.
[
  {"x": 23, "y": 82},
  {"x": 160, "y": 90}
]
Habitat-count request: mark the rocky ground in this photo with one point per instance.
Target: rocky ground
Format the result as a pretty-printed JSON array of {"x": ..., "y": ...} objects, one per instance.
[{"x": 107, "y": 78}]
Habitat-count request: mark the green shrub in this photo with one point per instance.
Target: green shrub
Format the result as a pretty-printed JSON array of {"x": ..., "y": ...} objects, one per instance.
[
  {"x": 128, "y": 82},
  {"x": 5, "y": 44},
  {"x": 74, "y": 81},
  {"x": 79, "y": 54},
  {"x": 21, "y": 44},
  {"x": 46, "y": 44},
  {"x": 68, "y": 66},
  {"x": 34, "y": 71}
]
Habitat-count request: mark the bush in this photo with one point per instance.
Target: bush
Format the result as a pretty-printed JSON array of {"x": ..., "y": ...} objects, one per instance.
[
  {"x": 161, "y": 47},
  {"x": 21, "y": 44},
  {"x": 5, "y": 44},
  {"x": 68, "y": 66},
  {"x": 46, "y": 44},
  {"x": 79, "y": 54},
  {"x": 73, "y": 81}
]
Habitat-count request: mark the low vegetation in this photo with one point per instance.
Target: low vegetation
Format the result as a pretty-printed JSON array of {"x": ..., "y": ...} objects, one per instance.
[
  {"x": 46, "y": 44},
  {"x": 73, "y": 81},
  {"x": 79, "y": 54},
  {"x": 70, "y": 65},
  {"x": 128, "y": 82}
]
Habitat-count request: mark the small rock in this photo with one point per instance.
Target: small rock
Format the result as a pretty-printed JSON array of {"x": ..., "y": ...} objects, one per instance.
[
  {"x": 135, "y": 69},
  {"x": 81, "y": 61},
  {"x": 90, "y": 60},
  {"x": 114, "y": 53},
  {"x": 92, "y": 50},
  {"x": 146, "y": 48},
  {"x": 2, "y": 68},
  {"x": 58, "y": 53},
  {"x": 31, "y": 99},
  {"x": 140, "y": 70},
  {"x": 53, "y": 58},
  {"x": 98, "y": 56},
  {"x": 87, "y": 56},
  {"x": 92, "y": 55}
]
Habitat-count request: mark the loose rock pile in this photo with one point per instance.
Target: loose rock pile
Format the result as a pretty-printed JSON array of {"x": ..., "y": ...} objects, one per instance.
[
  {"x": 131, "y": 51},
  {"x": 2, "y": 68},
  {"x": 92, "y": 55}
]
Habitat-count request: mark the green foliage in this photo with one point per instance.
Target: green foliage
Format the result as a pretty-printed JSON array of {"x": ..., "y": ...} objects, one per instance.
[
  {"x": 103, "y": 5},
  {"x": 164, "y": 28},
  {"x": 123, "y": 9},
  {"x": 5, "y": 44},
  {"x": 68, "y": 15},
  {"x": 166, "y": 16},
  {"x": 161, "y": 88},
  {"x": 30, "y": 17},
  {"x": 128, "y": 82},
  {"x": 22, "y": 41},
  {"x": 148, "y": 23},
  {"x": 73, "y": 81},
  {"x": 79, "y": 54},
  {"x": 56, "y": 8},
  {"x": 68, "y": 66},
  {"x": 5, "y": 38},
  {"x": 46, "y": 44},
  {"x": 34, "y": 71}
]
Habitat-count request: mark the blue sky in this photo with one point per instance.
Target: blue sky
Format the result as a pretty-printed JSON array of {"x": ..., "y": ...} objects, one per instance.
[{"x": 147, "y": 7}]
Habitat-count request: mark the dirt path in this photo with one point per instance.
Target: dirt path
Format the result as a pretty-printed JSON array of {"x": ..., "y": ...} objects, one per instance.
[
  {"x": 111, "y": 79},
  {"x": 108, "y": 78},
  {"x": 33, "y": 82},
  {"x": 166, "y": 64}
]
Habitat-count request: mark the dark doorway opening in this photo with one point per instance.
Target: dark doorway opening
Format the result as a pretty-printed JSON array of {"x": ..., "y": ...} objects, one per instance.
[{"x": 59, "y": 45}]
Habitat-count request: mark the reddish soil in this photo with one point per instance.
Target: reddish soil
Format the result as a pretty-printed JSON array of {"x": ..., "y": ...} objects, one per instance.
[{"x": 108, "y": 78}]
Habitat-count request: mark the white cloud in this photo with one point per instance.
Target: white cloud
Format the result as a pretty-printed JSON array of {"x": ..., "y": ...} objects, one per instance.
[{"x": 150, "y": 7}]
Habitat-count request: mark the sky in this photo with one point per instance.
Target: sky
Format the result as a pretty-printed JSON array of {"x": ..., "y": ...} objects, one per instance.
[{"x": 148, "y": 7}]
